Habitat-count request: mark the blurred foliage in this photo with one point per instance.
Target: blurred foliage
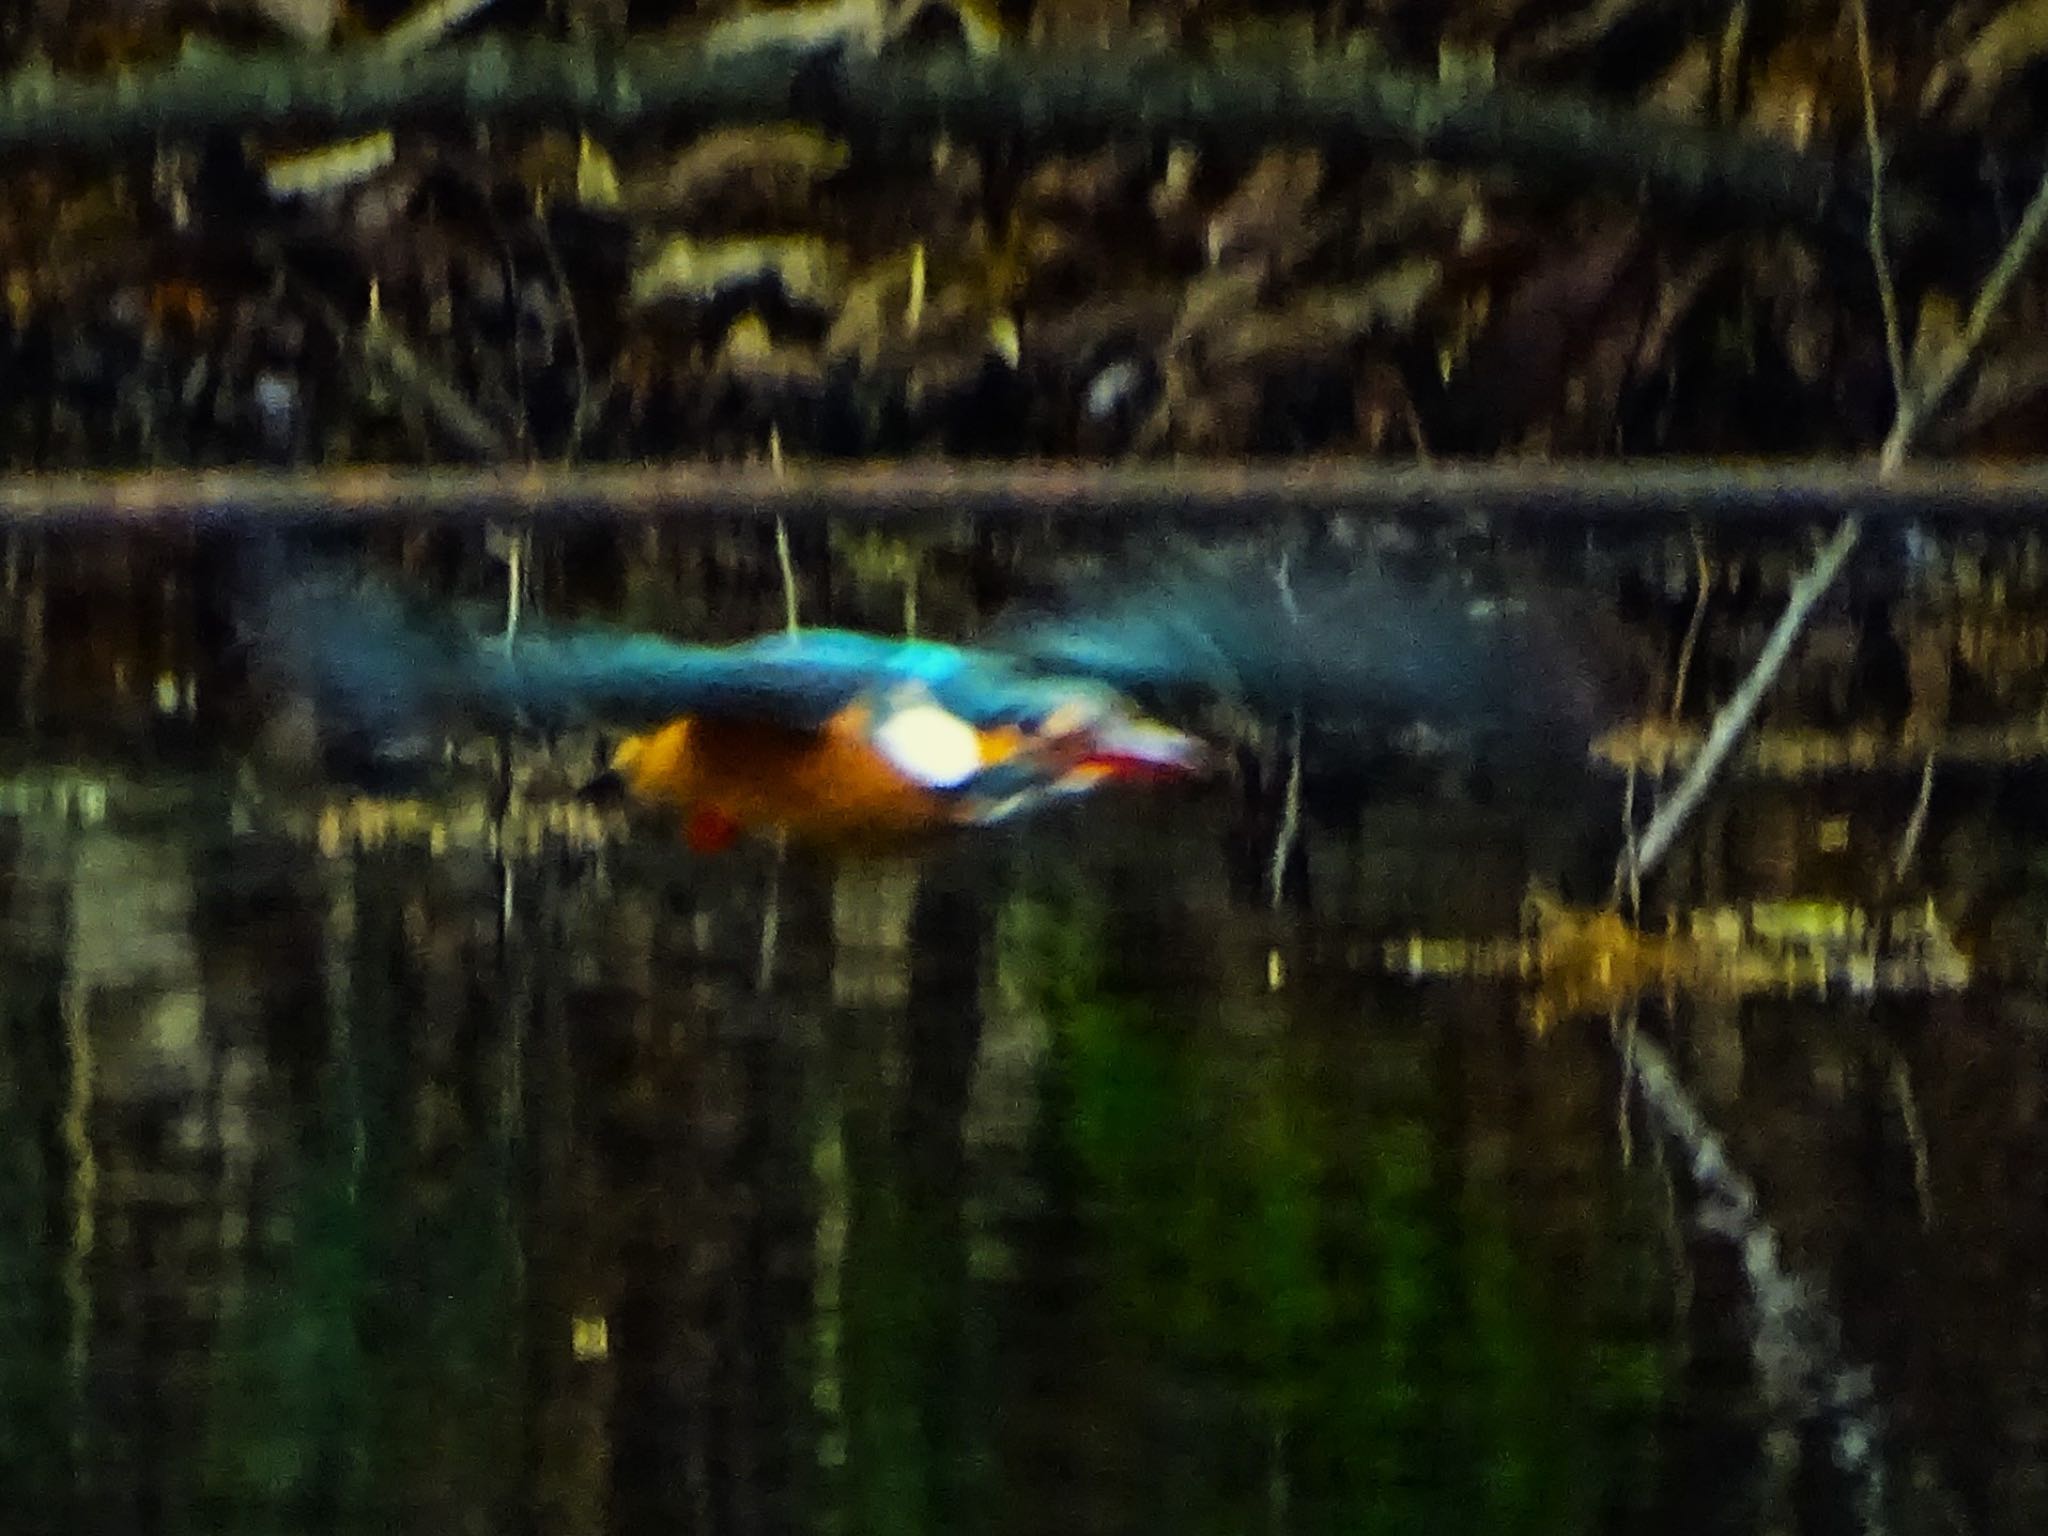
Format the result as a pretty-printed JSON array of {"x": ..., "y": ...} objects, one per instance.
[{"x": 693, "y": 289}]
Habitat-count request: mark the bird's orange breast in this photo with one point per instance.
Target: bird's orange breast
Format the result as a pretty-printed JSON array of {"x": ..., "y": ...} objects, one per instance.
[{"x": 828, "y": 785}]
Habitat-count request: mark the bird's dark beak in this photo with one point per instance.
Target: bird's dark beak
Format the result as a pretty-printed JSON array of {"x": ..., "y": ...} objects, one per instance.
[{"x": 1147, "y": 750}]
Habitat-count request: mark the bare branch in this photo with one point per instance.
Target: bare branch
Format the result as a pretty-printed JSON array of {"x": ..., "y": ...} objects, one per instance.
[
  {"x": 1735, "y": 716},
  {"x": 1634, "y": 496},
  {"x": 1917, "y": 407},
  {"x": 1573, "y": 143},
  {"x": 1915, "y": 410}
]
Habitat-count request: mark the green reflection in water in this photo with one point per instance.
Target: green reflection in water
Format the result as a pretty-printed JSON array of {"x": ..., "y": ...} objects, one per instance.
[
  {"x": 367, "y": 1372},
  {"x": 1343, "y": 1323},
  {"x": 38, "y": 1409}
]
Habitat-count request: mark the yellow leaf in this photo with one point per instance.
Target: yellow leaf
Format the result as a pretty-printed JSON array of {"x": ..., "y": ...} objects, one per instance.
[
  {"x": 330, "y": 167},
  {"x": 768, "y": 171},
  {"x": 809, "y": 271},
  {"x": 597, "y": 179},
  {"x": 860, "y": 24},
  {"x": 978, "y": 23},
  {"x": 885, "y": 300},
  {"x": 2010, "y": 42},
  {"x": 1939, "y": 331}
]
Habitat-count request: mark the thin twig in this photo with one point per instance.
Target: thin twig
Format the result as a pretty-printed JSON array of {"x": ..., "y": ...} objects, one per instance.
[
  {"x": 1625, "y": 1027},
  {"x": 1628, "y": 873},
  {"x": 382, "y": 345},
  {"x": 788, "y": 564},
  {"x": 782, "y": 554},
  {"x": 1916, "y": 824},
  {"x": 1290, "y": 821},
  {"x": 512, "y": 546},
  {"x": 1290, "y": 808},
  {"x": 425, "y": 385},
  {"x": 580, "y": 412},
  {"x": 1881, "y": 267},
  {"x": 1901, "y": 1083},
  {"x": 771, "y": 918},
  {"x": 1734, "y": 719},
  {"x": 1693, "y": 626}
]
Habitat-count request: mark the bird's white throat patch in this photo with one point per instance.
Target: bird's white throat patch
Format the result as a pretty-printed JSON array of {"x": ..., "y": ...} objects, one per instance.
[{"x": 934, "y": 746}]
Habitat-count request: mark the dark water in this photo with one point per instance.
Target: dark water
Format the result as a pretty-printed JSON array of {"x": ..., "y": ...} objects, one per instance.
[
  {"x": 1054, "y": 1183},
  {"x": 992, "y": 1190}
]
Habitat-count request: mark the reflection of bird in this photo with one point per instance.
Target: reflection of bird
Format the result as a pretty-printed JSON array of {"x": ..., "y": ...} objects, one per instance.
[{"x": 839, "y": 736}]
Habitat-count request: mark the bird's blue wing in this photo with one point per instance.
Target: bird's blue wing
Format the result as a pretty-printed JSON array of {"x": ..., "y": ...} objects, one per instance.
[
  {"x": 384, "y": 667},
  {"x": 1336, "y": 640}
]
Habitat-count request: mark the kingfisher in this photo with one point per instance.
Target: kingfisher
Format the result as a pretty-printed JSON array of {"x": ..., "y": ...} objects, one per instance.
[{"x": 837, "y": 737}]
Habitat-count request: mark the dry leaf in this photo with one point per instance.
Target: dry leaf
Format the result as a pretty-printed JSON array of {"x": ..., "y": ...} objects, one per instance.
[
  {"x": 1384, "y": 411},
  {"x": 751, "y": 355},
  {"x": 809, "y": 271},
  {"x": 329, "y": 167},
  {"x": 597, "y": 178},
  {"x": 2012, "y": 41},
  {"x": 748, "y": 174},
  {"x": 1795, "y": 95},
  {"x": 944, "y": 364},
  {"x": 1140, "y": 320},
  {"x": 1215, "y": 299},
  {"x": 858, "y": 24},
  {"x": 1320, "y": 324},
  {"x": 883, "y": 301},
  {"x": 1174, "y": 201},
  {"x": 1521, "y": 367},
  {"x": 307, "y": 21},
  {"x": 1079, "y": 187},
  {"x": 426, "y": 25},
  {"x": 1268, "y": 213}
]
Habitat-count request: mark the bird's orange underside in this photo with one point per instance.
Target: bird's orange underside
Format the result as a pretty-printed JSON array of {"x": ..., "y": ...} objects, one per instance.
[{"x": 724, "y": 776}]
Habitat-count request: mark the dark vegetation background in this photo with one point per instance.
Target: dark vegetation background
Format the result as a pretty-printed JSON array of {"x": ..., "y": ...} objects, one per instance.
[
  {"x": 524, "y": 291},
  {"x": 620, "y": 1134}
]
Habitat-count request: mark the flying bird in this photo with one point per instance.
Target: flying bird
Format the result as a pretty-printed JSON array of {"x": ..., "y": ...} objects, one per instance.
[{"x": 840, "y": 737}]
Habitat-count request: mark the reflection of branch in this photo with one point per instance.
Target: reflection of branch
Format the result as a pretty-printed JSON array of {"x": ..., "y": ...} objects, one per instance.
[
  {"x": 1794, "y": 1339},
  {"x": 1573, "y": 142}
]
